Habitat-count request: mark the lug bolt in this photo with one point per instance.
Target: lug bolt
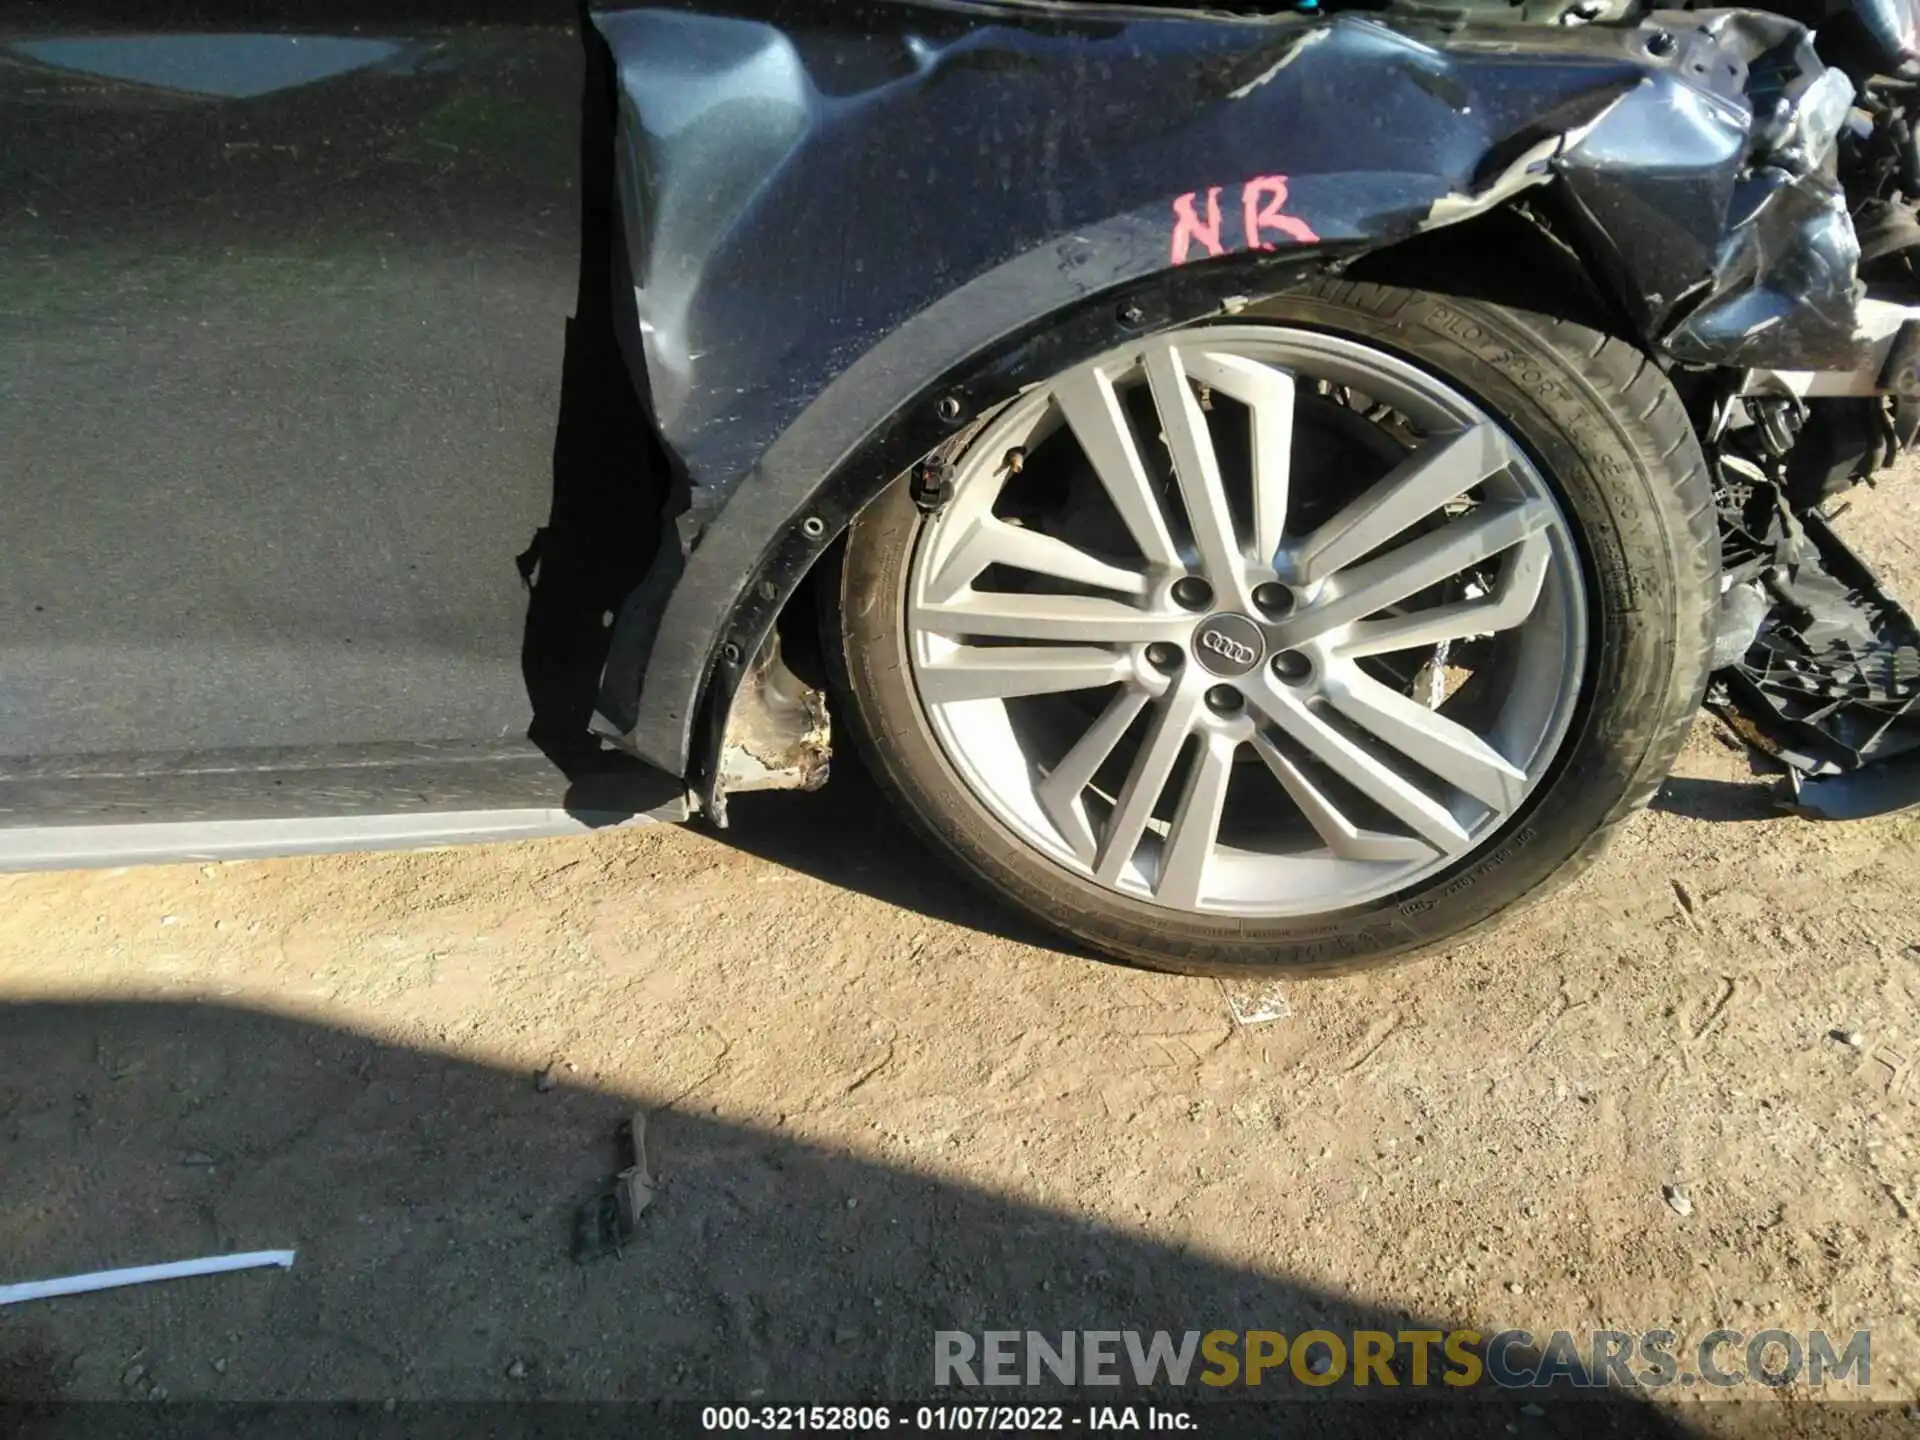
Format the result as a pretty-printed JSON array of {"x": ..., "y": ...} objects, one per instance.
[
  {"x": 1163, "y": 657},
  {"x": 1272, "y": 599},
  {"x": 1192, "y": 593},
  {"x": 1223, "y": 700},
  {"x": 1291, "y": 665}
]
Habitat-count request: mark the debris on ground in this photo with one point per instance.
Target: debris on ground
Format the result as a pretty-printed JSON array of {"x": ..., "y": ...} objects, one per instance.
[
  {"x": 544, "y": 1081},
  {"x": 1856, "y": 794},
  {"x": 1816, "y": 665},
  {"x": 1677, "y": 1199},
  {"x": 1256, "y": 1007},
  {"x": 606, "y": 1223},
  {"x": 143, "y": 1275}
]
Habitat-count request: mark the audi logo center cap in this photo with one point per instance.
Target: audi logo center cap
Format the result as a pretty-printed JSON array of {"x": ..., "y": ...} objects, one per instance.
[{"x": 1228, "y": 645}]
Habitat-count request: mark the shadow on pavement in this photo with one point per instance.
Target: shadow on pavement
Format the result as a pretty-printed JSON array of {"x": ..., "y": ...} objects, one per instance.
[
  {"x": 430, "y": 1200},
  {"x": 848, "y": 834},
  {"x": 1720, "y": 800}
]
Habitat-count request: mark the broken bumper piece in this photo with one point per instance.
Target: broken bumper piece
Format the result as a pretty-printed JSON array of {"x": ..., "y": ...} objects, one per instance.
[{"x": 1828, "y": 676}]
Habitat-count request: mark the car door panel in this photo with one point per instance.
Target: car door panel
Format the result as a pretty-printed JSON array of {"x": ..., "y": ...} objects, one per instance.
[{"x": 290, "y": 310}]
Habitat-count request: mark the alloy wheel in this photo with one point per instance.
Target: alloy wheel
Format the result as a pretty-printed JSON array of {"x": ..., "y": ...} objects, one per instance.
[{"x": 1248, "y": 620}]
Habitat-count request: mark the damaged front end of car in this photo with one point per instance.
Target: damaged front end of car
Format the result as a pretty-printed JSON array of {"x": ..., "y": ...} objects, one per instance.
[{"x": 850, "y": 232}]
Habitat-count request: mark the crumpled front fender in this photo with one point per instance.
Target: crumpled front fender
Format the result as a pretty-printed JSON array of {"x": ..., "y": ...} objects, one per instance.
[{"x": 838, "y": 217}]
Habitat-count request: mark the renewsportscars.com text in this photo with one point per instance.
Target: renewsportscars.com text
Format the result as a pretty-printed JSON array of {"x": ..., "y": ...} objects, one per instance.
[{"x": 1509, "y": 1359}]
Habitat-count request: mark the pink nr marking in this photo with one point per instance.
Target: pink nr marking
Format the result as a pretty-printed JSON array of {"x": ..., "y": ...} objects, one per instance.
[{"x": 1263, "y": 201}]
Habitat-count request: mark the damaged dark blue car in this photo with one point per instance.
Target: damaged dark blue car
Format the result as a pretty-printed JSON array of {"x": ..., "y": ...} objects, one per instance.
[{"x": 1261, "y": 488}]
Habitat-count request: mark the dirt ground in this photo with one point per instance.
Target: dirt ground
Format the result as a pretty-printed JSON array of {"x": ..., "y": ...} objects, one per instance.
[{"x": 880, "y": 1106}]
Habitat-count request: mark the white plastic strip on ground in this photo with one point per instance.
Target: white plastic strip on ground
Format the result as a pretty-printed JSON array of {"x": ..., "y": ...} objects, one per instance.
[{"x": 143, "y": 1275}]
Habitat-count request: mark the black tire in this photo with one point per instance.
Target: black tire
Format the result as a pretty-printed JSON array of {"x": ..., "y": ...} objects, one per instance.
[{"x": 1606, "y": 427}]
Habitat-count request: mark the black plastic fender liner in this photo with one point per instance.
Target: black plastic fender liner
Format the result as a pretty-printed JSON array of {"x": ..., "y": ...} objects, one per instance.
[
  {"x": 735, "y": 582},
  {"x": 840, "y": 218},
  {"x": 1822, "y": 671}
]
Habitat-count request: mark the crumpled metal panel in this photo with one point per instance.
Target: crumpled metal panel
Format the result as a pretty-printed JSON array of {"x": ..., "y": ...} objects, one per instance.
[
  {"x": 1784, "y": 272},
  {"x": 1714, "y": 205},
  {"x": 800, "y": 183},
  {"x": 795, "y": 189}
]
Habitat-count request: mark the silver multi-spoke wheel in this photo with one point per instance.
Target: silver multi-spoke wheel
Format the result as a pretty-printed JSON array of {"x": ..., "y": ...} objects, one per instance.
[{"x": 1248, "y": 620}]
